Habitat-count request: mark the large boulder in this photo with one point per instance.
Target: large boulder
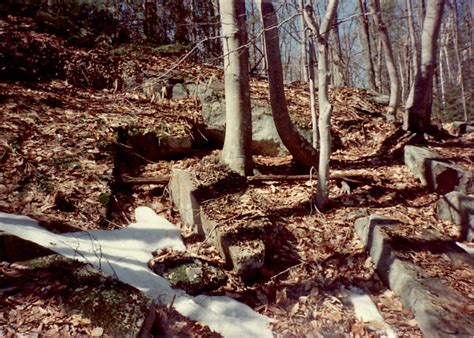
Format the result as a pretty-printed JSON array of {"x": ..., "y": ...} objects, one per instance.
[
  {"x": 416, "y": 159},
  {"x": 444, "y": 177},
  {"x": 265, "y": 138},
  {"x": 435, "y": 173},
  {"x": 458, "y": 208}
]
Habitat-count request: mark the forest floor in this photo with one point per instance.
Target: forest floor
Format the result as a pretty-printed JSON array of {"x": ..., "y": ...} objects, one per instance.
[{"x": 57, "y": 157}]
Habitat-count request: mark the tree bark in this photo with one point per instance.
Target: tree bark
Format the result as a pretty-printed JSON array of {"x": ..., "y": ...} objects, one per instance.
[
  {"x": 325, "y": 108},
  {"x": 297, "y": 145},
  {"x": 417, "y": 117},
  {"x": 415, "y": 61},
  {"x": 237, "y": 150},
  {"x": 458, "y": 59},
  {"x": 151, "y": 20},
  {"x": 339, "y": 73},
  {"x": 365, "y": 42},
  {"x": 389, "y": 59},
  {"x": 304, "y": 55}
]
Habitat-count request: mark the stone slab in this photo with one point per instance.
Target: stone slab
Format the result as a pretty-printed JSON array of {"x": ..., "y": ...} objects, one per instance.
[
  {"x": 458, "y": 208},
  {"x": 182, "y": 190},
  {"x": 437, "y": 309}
]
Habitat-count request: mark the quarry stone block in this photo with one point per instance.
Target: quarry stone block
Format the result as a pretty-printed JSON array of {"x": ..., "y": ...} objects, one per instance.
[
  {"x": 458, "y": 208},
  {"x": 436, "y": 308},
  {"x": 438, "y": 175}
]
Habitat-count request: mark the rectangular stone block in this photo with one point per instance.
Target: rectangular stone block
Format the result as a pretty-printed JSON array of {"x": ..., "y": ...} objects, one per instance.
[{"x": 458, "y": 208}]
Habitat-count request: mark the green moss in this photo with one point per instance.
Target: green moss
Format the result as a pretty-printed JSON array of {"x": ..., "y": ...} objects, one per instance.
[
  {"x": 104, "y": 198},
  {"x": 107, "y": 302},
  {"x": 172, "y": 49}
]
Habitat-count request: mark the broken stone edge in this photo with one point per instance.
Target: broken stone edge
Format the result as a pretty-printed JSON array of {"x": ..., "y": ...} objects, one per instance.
[{"x": 410, "y": 283}]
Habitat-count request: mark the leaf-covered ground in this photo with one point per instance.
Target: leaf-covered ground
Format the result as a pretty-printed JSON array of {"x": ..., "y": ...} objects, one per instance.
[{"x": 58, "y": 161}]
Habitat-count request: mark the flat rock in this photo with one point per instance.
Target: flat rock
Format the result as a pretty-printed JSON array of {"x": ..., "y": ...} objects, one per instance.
[
  {"x": 458, "y": 208},
  {"x": 120, "y": 309},
  {"x": 439, "y": 310}
]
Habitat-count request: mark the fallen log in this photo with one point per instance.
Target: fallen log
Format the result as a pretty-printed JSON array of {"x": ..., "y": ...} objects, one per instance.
[{"x": 164, "y": 179}]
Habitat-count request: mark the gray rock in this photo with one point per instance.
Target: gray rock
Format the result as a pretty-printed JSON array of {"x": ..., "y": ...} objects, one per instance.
[
  {"x": 416, "y": 159},
  {"x": 193, "y": 275},
  {"x": 434, "y": 305},
  {"x": 182, "y": 189},
  {"x": 247, "y": 256},
  {"x": 265, "y": 138},
  {"x": 463, "y": 127},
  {"x": 458, "y": 208},
  {"x": 445, "y": 177},
  {"x": 436, "y": 174}
]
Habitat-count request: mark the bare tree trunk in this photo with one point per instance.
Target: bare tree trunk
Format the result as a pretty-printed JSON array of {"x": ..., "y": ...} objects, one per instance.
[
  {"x": 417, "y": 117},
  {"x": 365, "y": 41},
  {"x": 442, "y": 82},
  {"x": 325, "y": 108},
  {"x": 237, "y": 151},
  {"x": 338, "y": 63},
  {"x": 378, "y": 73},
  {"x": 312, "y": 91},
  {"x": 150, "y": 20},
  {"x": 304, "y": 55},
  {"x": 458, "y": 58},
  {"x": 296, "y": 144},
  {"x": 389, "y": 59},
  {"x": 414, "y": 46},
  {"x": 402, "y": 76}
]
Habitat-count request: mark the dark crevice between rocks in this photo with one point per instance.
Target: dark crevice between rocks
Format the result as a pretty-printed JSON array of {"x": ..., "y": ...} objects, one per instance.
[{"x": 136, "y": 147}]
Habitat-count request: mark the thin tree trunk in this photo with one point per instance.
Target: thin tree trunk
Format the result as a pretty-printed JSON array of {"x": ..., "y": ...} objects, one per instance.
[
  {"x": 237, "y": 150},
  {"x": 415, "y": 61},
  {"x": 312, "y": 91},
  {"x": 417, "y": 117},
  {"x": 442, "y": 81},
  {"x": 402, "y": 76},
  {"x": 458, "y": 59},
  {"x": 378, "y": 73},
  {"x": 338, "y": 64},
  {"x": 297, "y": 145},
  {"x": 304, "y": 54},
  {"x": 366, "y": 46},
  {"x": 389, "y": 60},
  {"x": 325, "y": 108}
]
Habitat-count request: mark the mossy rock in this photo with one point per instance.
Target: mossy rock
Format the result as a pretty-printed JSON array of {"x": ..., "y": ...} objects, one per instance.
[
  {"x": 188, "y": 272},
  {"x": 120, "y": 309},
  {"x": 172, "y": 49}
]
